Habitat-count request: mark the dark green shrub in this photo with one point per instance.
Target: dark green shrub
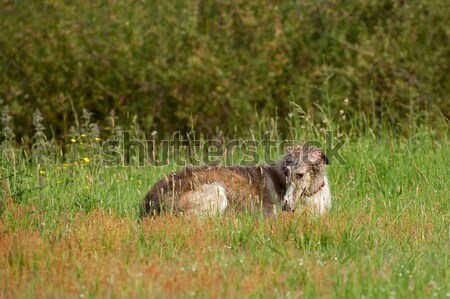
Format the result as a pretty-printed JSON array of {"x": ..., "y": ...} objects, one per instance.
[{"x": 210, "y": 64}]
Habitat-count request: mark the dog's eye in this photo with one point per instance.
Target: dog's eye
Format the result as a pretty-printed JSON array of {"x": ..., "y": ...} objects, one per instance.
[{"x": 298, "y": 175}]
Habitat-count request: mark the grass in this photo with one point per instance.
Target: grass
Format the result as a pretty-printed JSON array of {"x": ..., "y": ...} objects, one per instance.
[{"x": 72, "y": 231}]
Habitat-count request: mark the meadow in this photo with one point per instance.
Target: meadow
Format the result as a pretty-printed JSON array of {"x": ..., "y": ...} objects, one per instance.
[
  {"x": 70, "y": 227},
  {"x": 87, "y": 88}
]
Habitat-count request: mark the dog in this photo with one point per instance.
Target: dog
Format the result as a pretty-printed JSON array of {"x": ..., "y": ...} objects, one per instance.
[{"x": 298, "y": 180}]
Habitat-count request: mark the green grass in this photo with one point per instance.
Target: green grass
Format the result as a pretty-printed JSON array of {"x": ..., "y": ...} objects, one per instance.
[{"x": 386, "y": 236}]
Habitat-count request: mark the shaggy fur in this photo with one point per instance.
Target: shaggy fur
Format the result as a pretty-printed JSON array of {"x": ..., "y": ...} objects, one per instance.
[
  {"x": 298, "y": 178},
  {"x": 307, "y": 180}
]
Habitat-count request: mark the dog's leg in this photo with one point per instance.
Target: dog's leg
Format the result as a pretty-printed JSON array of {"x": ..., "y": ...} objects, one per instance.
[{"x": 208, "y": 199}]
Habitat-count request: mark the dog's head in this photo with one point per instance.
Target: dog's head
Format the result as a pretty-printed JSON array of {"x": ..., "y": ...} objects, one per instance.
[{"x": 305, "y": 168}]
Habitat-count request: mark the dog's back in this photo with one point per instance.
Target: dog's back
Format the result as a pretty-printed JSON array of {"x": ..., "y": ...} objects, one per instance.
[{"x": 203, "y": 190}]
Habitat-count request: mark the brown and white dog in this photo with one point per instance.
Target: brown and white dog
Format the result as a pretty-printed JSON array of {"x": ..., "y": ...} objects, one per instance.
[{"x": 297, "y": 181}]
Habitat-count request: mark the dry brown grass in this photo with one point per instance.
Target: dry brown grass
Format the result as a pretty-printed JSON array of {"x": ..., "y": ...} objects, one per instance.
[{"x": 101, "y": 255}]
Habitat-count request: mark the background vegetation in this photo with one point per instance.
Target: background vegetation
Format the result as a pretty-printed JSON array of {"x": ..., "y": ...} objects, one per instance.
[{"x": 211, "y": 64}]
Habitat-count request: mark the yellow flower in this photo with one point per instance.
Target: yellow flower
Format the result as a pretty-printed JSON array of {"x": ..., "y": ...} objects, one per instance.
[
  {"x": 86, "y": 160},
  {"x": 42, "y": 172},
  {"x": 81, "y": 142},
  {"x": 97, "y": 139},
  {"x": 83, "y": 135},
  {"x": 73, "y": 140},
  {"x": 87, "y": 187},
  {"x": 66, "y": 164}
]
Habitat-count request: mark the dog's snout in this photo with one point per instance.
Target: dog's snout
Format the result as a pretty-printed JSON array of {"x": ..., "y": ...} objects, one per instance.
[{"x": 285, "y": 205}]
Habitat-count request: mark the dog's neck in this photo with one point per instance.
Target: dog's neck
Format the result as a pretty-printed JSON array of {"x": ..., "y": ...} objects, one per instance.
[{"x": 312, "y": 193}]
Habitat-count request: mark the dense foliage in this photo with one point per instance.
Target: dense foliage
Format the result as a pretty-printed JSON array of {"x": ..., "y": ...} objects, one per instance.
[{"x": 211, "y": 64}]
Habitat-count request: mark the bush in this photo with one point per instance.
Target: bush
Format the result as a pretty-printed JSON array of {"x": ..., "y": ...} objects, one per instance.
[{"x": 211, "y": 64}]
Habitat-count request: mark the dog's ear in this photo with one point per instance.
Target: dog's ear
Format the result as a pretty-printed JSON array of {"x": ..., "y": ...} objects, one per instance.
[
  {"x": 317, "y": 154},
  {"x": 295, "y": 149}
]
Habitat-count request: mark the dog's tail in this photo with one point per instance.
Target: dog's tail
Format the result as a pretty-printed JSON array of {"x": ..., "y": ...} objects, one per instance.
[{"x": 151, "y": 205}]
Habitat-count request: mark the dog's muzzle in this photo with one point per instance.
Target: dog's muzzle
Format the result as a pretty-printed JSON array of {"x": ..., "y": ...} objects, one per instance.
[
  {"x": 288, "y": 199},
  {"x": 286, "y": 207}
]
